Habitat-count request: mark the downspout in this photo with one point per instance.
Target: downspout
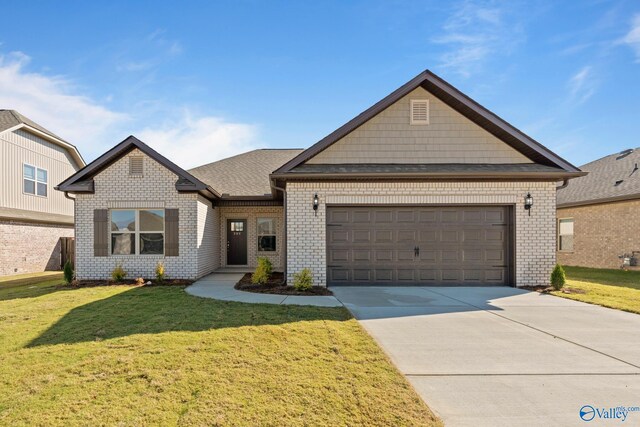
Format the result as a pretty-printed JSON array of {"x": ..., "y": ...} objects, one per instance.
[
  {"x": 563, "y": 185},
  {"x": 284, "y": 199}
]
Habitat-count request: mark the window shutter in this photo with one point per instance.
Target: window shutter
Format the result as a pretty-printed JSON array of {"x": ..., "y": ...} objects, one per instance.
[
  {"x": 171, "y": 231},
  {"x": 100, "y": 232}
]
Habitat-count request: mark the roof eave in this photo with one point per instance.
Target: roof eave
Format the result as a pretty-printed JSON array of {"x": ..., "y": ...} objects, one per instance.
[
  {"x": 599, "y": 201},
  {"x": 551, "y": 176}
]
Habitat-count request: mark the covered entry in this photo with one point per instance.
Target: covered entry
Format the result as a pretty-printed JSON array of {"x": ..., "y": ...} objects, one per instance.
[{"x": 419, "y": 245}]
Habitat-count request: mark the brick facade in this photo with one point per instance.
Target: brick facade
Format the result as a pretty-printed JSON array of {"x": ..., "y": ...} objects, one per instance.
[
  {"x": 115, "y": 189},
  {"x": 30, "y": 247},
  {"x": 535, "y": 235},
  {"x": 251, "y": 214},
  {"x": 601, "y": 233}
]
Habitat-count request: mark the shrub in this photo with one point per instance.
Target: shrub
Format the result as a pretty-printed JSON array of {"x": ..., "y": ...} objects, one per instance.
[
  {"x": 261, "y": 275},
  {"x": 303, "y": 281},
  {"x": 139, "y": 281},
  {"x": 118, "y": 274},
  {"x": 558, "y": 278},
  {"x": 68, "y": 272},
  {"x": 160, "y": 273}
]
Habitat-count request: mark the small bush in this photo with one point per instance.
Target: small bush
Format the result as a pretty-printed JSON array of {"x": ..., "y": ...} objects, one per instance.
[
  {"x": 139, "y": 281},
  {"x": 68, "y": 272},
  {"x": 303, "y": 281},
  {"x": 160, "y": 273},
  {"x": 262, "y": 272},
  {"x": 118, "y": 274},
  {"x": 558, "y": 278}
]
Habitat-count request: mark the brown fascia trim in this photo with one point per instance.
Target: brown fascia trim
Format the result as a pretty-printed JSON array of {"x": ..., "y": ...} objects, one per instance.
[
  {"x": 82, "y": 182},
  {"x": 437, "y": 82},
  {"x": 505, "y": 176},
  {"x": 235, "y": 202},
  {"x": 601, "y": 201}
]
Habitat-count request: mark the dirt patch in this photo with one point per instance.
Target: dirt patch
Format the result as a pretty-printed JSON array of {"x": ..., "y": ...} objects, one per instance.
[
  {"x": 95, "y": 283},
  {"x": 277, "y": 285},
  {"x": 549, "y": 289}
]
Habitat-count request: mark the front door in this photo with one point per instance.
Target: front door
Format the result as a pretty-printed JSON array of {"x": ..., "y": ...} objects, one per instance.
[{"x": 236, "y": 242}]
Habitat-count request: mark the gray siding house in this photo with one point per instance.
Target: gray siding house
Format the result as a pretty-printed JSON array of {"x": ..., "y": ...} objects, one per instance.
[
  {"x": 424, "y": 187},
  {"x": 33, "y": 217}
]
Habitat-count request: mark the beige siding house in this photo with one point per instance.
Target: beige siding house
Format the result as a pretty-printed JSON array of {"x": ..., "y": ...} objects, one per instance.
[
  {"x": 33, "y": 217},
  {"x": 426, "y": 187},
  {"x": 598, "y": 214}
]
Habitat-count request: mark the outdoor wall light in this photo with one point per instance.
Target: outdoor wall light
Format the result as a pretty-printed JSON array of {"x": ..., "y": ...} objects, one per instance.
[
  {"x": 316, "y": 202},
  {"x": 528, "y": 202}
]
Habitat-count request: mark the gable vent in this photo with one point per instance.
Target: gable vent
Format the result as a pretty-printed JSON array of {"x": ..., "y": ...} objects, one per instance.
[
  {"x": 135, "y": 166},
  {"x": 419, "y": 111}
]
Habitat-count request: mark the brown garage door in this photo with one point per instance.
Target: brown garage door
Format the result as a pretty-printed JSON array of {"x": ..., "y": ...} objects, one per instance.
[{"x": 435, "y": 245}]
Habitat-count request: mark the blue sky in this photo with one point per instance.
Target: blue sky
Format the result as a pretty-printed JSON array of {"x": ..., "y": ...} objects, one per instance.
[{"x": 202, "y": 80}]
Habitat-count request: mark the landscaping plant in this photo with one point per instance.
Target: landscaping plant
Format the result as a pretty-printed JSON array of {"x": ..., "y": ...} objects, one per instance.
[
  {"x": 303, "y": 281},
  {"x": 68, "y": 272},
  {"x": 558, "y": 278},
  {"x": 261, "y": 275},
  {"x": 160, "y": 274},
  {"x": 139, "y": 281},
  {"x": 118, "y": 274}
]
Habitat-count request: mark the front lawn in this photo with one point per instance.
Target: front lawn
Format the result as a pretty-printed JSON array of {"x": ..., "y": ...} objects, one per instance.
[
  {"x": 125, "y": 355},
  {"x": 617, "y": 289}
]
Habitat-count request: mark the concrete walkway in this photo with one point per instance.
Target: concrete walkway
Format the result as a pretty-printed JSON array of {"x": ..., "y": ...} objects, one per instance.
[
  {"x": 220, "y": 286},
  {"x": 505, "y": 357}
]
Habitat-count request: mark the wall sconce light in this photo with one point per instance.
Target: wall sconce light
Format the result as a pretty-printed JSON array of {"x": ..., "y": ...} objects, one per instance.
[
  {"x": 528, "y": 202},
  {"x": 316, "y": 202}
]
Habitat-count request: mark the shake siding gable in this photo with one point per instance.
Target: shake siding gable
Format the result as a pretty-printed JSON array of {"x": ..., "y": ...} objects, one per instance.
[{"x": 390, "y": 137}]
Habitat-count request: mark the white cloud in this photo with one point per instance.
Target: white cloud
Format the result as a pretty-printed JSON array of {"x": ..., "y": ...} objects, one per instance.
[
  {"x": 191, "y": 142},
  {"x": 474, "y": 32},
  {"x": 633, "y": 37},
  {"x": 51, "y": 102},
  {"x": 582, "y": 85}
]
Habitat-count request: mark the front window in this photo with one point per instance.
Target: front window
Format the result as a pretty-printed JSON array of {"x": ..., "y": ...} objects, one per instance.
[
  {"x": 137, "y": 232},
  {"x": 565, "y": 235},
  {"x": 34, "y": 180},
  {"x": 266, "y": 234}
]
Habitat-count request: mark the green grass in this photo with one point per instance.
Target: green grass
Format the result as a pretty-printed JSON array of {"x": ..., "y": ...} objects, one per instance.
[
  {"x": 124, "y": 355},
  {"x": 617, "y": 289}
]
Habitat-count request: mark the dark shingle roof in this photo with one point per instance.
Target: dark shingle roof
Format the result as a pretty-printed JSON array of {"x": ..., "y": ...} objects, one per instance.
[
  {"x": 246, "y": 174},
  {"x": 11, "y": 118},
  {"x": 612, "y": 177}
]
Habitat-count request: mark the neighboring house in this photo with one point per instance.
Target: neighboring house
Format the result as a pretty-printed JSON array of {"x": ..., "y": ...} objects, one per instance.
[
  {"x": 598, "y": 214},
  {"x": 425, "y": 187},
  {"x": 33, "y": 217}
]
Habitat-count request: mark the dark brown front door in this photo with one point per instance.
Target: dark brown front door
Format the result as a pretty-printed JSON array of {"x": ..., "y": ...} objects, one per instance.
[
  {"x": 236, "y": 242},
  {"x": 420, "y": 245}
]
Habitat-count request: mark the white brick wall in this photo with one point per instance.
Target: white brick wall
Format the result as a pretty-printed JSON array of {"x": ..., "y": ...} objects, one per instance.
[
  {"x": 114, "y": 188},
  {"x": 535, "y": 234}
]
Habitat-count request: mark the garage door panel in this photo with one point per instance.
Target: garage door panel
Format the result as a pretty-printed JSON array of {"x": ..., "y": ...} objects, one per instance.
[{"x": 459, "y": 245}]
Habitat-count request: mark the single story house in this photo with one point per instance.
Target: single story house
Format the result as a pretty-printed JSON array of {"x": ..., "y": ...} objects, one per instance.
[
  {"x": 424, "y": 187},
  {"x": 598, "y": 214},
  {"x": 35, "y": 221}
]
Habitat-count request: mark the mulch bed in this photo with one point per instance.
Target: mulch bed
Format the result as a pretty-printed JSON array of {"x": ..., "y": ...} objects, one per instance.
[
  {"x": 549, "y": 289},
  {"x": 94, "y": 283},
  {"x": 277, "y": 285}
]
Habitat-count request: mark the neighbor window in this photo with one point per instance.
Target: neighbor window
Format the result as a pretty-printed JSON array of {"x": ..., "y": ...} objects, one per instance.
[
  {"x": 137, "y": 232},
  {"x": 34, "y": 180},
  {"x": 565, "y": 234},
  {"x": 266, "y": 234}
]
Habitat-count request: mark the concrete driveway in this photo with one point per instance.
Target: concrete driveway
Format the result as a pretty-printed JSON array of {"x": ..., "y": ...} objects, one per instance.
[{"x": 505, "y": 357}]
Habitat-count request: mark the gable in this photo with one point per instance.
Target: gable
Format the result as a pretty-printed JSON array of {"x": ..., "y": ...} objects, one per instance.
[{"x": 390, "y": 138}]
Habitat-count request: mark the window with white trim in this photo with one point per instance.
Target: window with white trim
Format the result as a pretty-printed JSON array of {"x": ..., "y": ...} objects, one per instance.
[
  {"x": 34, "y": 180},
  {"x": 266, "y": 234},
  {"x": 419, "y": 111},
  {"x": 565, "y": 235},
  {"x": 137, "y": 231}
]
